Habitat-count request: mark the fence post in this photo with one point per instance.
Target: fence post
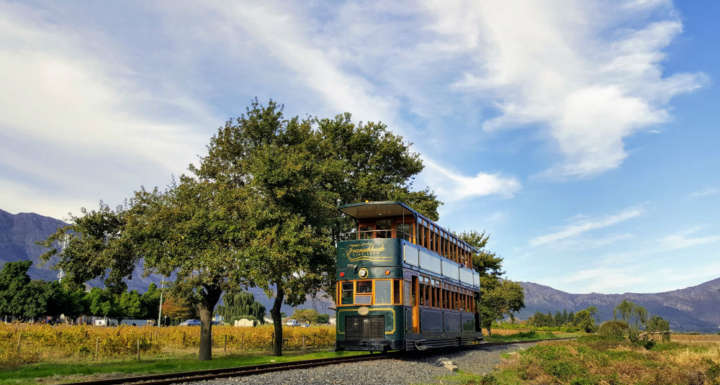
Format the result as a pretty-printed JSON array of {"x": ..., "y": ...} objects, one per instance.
[
  {"x": 97, "y": 348},
  {"x": 19, "y": 341},
  {"x": 225, "y": 344},
  {"x": 138, "y": 348},
  {"x": 303, "y": 343}
]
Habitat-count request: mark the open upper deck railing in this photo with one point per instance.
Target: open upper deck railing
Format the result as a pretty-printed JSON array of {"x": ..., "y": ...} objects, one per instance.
[{"x": 374, "y": 234}]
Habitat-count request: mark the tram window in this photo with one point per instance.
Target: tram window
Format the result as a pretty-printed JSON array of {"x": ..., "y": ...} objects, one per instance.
[
  {"x": 384, "y": 228},
  {"x": 409, "y": 297},
  {"x": 403, "y": 231},
  {"x": 365, "y": 232},
  {"x": 396, "y": 292},
  {"x": 422, "y": 294},
  {"x": 347, "y": 293},
  {"x": 364, "y": 287},
  {"x": 382, "y": 292}
]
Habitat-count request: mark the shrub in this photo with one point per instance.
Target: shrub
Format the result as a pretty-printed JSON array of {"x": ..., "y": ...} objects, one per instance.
[
  {"x": 614, "y": 329},
  {"x": 713, "y": 372},
  {"x": 489, "y": 379}
]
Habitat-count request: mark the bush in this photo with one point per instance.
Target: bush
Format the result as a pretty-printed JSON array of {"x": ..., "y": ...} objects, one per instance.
[
  {"x": 713, "y": 372},
  {"x": 489, "y": 379},
  {"x": 613, "y": 329}
]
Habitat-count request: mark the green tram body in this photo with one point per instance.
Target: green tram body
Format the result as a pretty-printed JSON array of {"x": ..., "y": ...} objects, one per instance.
[{"x": 395, "y": 294}]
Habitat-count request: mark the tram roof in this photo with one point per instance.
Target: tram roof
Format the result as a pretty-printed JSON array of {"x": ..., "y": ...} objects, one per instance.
[{"x": 379, "y": 209}]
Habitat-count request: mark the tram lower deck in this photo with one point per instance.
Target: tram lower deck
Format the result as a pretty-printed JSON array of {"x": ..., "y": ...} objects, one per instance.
[
  {"x": 400, "y": 291},
  {"x": 390, "y": 328}
]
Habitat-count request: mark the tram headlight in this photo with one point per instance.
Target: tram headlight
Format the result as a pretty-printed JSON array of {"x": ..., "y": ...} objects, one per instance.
[{"x": 363, "y": 273}]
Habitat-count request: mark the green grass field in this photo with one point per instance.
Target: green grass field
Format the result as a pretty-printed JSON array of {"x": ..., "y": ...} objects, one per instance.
[{"x": 56, "y": 373}]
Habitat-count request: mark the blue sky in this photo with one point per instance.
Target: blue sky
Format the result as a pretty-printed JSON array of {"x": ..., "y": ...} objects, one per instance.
[{"x": 582, "y": 135}]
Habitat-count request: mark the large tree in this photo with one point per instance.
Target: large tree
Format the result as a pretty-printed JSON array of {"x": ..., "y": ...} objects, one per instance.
[
  {"x": 297, "y": 171},
  {"x": 498, "y": 297},
  {"x": 188, "y": 231}
]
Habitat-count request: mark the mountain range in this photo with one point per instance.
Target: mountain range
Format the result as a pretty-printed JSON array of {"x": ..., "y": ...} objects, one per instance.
[{"x": 694, "y": 308}]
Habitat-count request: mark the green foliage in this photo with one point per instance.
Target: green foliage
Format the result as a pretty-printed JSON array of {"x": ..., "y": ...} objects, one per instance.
[
  {"x": 498, "y": 297},
  {"x": 713, "y": 372},
  {"x": 489, "y": 379},
  {"x": 634, "y": 315},
  {"x": 310, "y": 315},
  {"x": 239, "y": 304},
  {"x": 585, "y": 321},
  {"x": 613, "y": 329},
  {"x": 657, "y": 324}
]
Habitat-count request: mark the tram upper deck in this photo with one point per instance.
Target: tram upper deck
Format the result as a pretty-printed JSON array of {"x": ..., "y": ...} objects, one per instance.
[{"x": 391, "y": 234}]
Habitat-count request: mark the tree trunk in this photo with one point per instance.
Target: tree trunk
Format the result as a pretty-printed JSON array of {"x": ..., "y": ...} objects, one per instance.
[
  {"x": 277, "y": 320},
  {"x": 205, "y": 309}
]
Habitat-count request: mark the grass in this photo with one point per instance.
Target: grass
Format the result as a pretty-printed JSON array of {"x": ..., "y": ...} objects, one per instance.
[
  {"x": 55, "y": 373},
  {"x": 529, "y": 336},
  {"x": 594, "y": 360}
]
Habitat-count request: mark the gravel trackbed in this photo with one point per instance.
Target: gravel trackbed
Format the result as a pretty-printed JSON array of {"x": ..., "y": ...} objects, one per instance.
[{"x": 416, "y": 369}]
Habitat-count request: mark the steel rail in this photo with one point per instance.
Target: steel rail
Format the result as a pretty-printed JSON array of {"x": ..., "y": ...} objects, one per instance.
[{"x": 201, "y": 375}]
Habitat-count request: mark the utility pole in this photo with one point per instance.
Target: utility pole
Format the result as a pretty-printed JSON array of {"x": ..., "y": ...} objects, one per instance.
[{"x": 162, "y": 287}]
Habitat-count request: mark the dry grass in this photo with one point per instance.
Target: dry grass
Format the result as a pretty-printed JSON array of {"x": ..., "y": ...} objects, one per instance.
[
  {"x": 27, "y": 343},
  {"x": 593, "y": 360},
  {"x": 696, "y": 338}
]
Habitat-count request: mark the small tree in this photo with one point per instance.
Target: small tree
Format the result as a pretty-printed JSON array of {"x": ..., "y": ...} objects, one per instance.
[
  {"x": 238, "y": 304},
  {"x": 635, "y": 315},
  {"x": 14, "y": 279},
  {"x": 585, "y": 321},
  {"x": 303, "y": 315},
  {"x": 498, "y": 298}
]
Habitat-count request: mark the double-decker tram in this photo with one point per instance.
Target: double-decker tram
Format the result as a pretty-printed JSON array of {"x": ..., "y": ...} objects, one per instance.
[{"x": 403, "y": 282}]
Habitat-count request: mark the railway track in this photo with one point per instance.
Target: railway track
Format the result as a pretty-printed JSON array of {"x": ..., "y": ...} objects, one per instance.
[{"x": 201, "y": 375}]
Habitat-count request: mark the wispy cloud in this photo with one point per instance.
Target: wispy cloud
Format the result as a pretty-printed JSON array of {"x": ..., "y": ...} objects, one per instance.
[
  {"x": 684, "y": 239},
  {"x": 710, "y": 191},
  {"x": 583, "y": 226},
  {"x": 450, "y": 185},
  {"x": 77, "y": 126},
  {"x": 554, "y": 64}
]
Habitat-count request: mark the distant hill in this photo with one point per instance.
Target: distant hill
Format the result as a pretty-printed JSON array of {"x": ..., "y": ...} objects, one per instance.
[
  {"x": 19, "y": 232},
  {"x": 694, "y": 308}
]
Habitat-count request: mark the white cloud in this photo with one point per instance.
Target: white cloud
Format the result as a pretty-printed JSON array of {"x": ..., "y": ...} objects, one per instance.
[
  {"x": 683, "y": 239},
  {"x": 74, "y": 121},
  {"x": 710, "y": 191},
  {"x": 579, "y": 68},
  {"x": 585, "y": 225},
  {"x": 451, "y": 186},
  {"x": 320, "y": 62}
]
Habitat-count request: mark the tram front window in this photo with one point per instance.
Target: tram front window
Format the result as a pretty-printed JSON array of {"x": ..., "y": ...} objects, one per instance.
[
  {"x": 382, "y": 292},
  {"x": 347, "y": 293},
  {"x": 384, "y": 228},
  {"x": 365, "y": 232},
  {"x": 363, "y": 294}
]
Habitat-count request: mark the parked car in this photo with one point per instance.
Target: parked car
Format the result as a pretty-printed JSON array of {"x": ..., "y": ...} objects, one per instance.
[
  {"x": 190, "y": 322},
  {"x": 292, "y": 322}
]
